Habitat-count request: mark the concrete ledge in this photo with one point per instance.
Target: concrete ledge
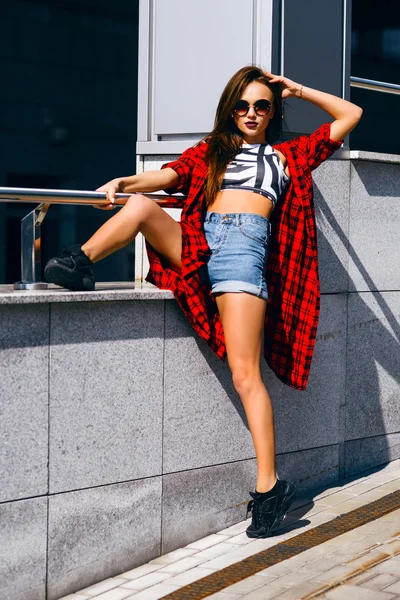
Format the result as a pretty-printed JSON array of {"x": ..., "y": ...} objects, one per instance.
[
  {"x": 124, "y": 290},
  {"x": 374, "y": 156}
]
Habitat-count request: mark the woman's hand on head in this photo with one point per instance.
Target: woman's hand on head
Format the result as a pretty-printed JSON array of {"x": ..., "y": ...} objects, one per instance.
[
  {"x": 289, "y": 88},
  {"x": 110, "y": 189}
]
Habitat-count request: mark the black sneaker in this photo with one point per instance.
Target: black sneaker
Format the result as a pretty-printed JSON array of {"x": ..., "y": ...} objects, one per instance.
[
  {"x": 270, "y": 513},
  {"x": 72, "y": 269}
]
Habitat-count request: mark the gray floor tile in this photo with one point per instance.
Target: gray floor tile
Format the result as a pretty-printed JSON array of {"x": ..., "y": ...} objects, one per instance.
[
  {"x": 224, "y": 596},
  {"x": 351, "y": 592},
  {"x": 266, "y": 592},
  {"x": 393, "y": 588},
  {"x": 379, "y": 582}
]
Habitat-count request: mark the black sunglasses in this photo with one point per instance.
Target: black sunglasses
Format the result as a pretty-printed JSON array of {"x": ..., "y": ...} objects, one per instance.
[{"x": 261, "y": 107}]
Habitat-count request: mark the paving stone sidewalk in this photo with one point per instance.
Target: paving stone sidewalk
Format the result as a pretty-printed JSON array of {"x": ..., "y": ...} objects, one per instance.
[{"x": 362, "y": 564}]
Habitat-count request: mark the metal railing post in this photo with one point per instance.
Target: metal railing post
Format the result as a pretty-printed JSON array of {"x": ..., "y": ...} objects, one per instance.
[{"x": 31, "y": 250}]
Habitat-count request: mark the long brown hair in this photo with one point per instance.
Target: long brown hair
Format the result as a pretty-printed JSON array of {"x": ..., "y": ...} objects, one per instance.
[{"x": 225, "y": 140}]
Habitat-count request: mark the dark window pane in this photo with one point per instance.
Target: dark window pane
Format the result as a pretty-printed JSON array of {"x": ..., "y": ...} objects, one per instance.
[
  {"x": 376, "y": 40},
  {"x": 375, "y": 54},
  {"x": 376, "y": 131},
  {"x": 68, "y": 117}
]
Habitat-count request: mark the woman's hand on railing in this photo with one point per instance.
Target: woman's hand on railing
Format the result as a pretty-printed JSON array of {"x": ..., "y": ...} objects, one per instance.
[{"x": 110, "y": 189}]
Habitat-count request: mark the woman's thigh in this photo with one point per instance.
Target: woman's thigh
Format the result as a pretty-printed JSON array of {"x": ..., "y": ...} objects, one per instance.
[
  {"x": 242, "y": 316},
  {"x": 163, "y": 233}
]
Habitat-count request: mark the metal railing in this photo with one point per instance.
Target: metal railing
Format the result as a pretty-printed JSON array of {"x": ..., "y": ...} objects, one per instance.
[
  {"x": 31, "y": 223},
  {"x": 376, "y": 86}
]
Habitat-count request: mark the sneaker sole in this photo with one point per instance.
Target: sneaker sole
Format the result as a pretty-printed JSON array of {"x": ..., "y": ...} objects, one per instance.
[
  {"x": 285, "y": 507},
  {"x": 55, "y": 273}
]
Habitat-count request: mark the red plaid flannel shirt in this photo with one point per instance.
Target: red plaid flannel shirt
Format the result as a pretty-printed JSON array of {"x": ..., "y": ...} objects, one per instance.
[{"x": 292, "y": 268}]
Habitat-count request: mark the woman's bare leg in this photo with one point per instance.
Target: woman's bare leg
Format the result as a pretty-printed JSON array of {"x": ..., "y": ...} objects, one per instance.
[
  {"x": 242, "y": 317},
  {"x": 140, "y": 213}
]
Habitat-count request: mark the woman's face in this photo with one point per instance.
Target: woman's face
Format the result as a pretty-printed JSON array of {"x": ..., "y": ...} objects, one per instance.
[{"x": 253, "y": 126}]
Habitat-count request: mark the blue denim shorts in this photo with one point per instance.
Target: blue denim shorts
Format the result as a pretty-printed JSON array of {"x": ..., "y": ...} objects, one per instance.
[{"x": 239, "y": 252}]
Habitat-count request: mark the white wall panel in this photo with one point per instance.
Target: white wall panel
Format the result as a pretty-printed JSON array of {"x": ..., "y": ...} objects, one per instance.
[
  {"x": 197, "y": 48},
  {"x": 188, "y": 52}
]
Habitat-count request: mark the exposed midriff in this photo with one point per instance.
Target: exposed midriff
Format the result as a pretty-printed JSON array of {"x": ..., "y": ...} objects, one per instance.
[{"x": 241, "y": 201}]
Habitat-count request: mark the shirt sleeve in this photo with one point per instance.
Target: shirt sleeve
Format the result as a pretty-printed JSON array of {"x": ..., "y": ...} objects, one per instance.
[
  {"x": 183, "y": 166},
  {"x": 318, "y": 146}
]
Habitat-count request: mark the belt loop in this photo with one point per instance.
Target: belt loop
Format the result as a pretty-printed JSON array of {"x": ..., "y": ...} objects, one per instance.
[{"x": 237, "y": 219}]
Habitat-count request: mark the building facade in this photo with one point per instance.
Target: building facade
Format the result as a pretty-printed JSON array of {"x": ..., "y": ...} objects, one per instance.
[{"x": 98, "y": 90}]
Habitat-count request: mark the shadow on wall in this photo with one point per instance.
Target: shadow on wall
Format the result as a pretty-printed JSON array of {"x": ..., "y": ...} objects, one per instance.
[{"x": 372, "y": 423}]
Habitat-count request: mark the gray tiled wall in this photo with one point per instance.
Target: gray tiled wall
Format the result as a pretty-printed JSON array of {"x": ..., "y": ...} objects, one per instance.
[
  {"x": 106, "y": 381},
  {"x": 374, "y": 227},
  {"x": 24, "y": 350},
  {"x": 332, "y": 200},
  {"x": 23, "y": 527},
  {"x": 310, "y": 419},
  {"x": 99, "y": 532},
  {"x": 372, "y": 394},
  {"x": 204, "y": 421}
]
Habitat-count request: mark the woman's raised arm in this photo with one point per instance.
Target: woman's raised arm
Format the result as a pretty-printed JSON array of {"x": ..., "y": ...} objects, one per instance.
[{"x": 346, "y": 114}]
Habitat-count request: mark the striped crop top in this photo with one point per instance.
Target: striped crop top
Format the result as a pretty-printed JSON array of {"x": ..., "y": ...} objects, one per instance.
[{"x": 256, "y": 168}]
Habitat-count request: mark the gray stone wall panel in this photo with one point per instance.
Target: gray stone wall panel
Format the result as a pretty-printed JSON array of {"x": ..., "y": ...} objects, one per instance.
[
  {"x": 106, "y": 393},
  {"x": 373, "y": 359},
  {"x": 24, "y": 336},
  {"x": 101, "y": 532},
  {"x": 331, "y": 200},
  {"x": 366, "y": 453},
  {"x": 202, "y": 501},
  {"x": 374, "y": 227},
  {"x": 311, "y": 468},
  {"x": 204, "y": 420},
  {"x": 310, "y": 418},
  {"x": 23, "y": 530}
]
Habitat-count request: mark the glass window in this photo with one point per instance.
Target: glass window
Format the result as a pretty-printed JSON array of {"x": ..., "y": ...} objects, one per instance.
[
  {"x": 68, "y": 117},
  {"x": 375, "y": 55},
  {"x": 375, "y": 52}
]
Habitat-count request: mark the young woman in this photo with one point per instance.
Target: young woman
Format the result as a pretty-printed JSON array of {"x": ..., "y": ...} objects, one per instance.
[{"x": 246, "y": 201}]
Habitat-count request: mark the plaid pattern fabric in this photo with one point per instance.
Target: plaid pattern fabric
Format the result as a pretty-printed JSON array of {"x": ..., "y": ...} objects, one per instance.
[{"x": 292, "y": 269}]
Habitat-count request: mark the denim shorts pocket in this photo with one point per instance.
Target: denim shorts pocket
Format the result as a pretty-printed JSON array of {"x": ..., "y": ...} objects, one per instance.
[
  {"x": 256, "y": 231},
  {"x": 216, "y": 235}
]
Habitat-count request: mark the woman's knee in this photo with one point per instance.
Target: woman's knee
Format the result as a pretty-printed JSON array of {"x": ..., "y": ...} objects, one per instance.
[
  {"x": 142, "y": 206},
  {"x": 245, "y": 376}
]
